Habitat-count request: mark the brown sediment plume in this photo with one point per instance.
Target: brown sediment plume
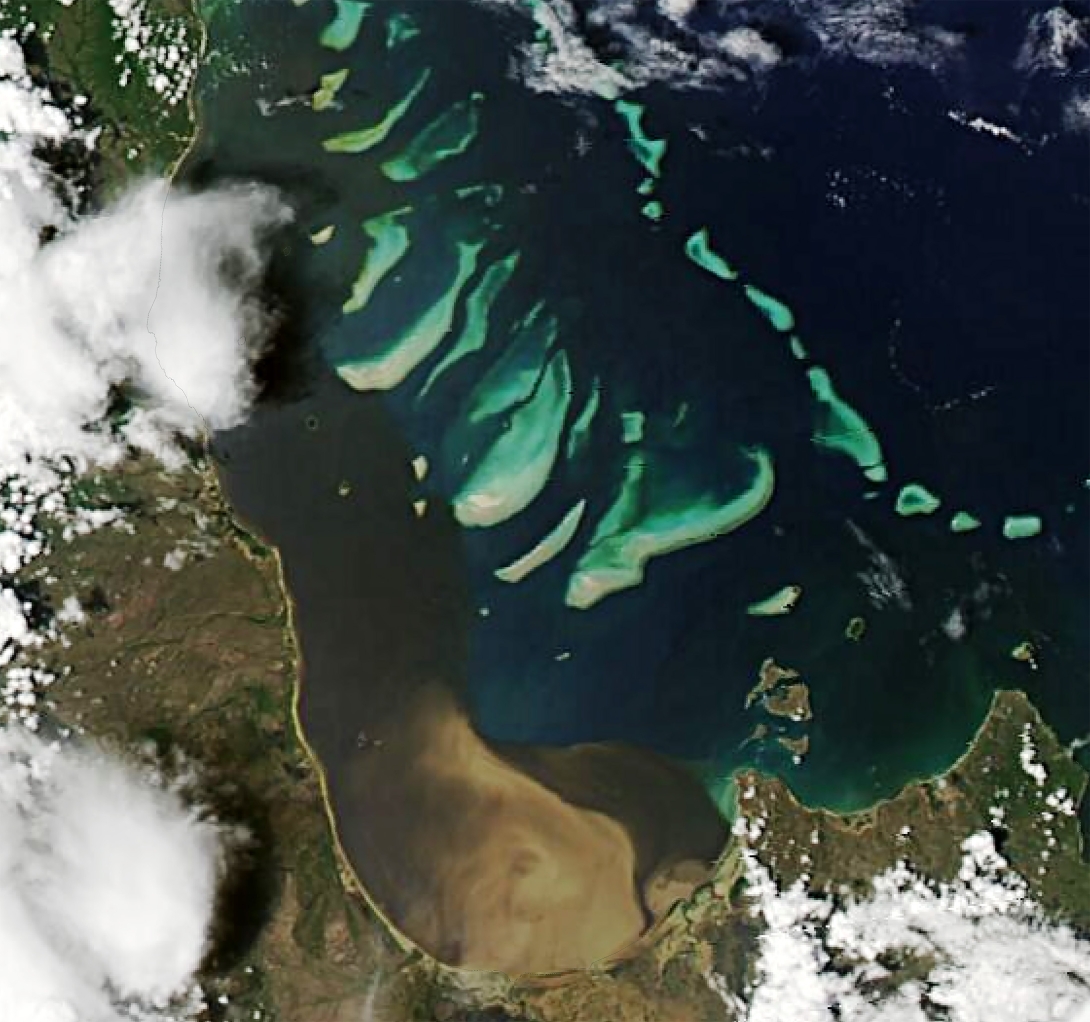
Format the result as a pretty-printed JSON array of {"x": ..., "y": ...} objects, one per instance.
[
  {"x": 674, "y": 827},
  {"x": 501, "y": 859},
  {"x": 479, "y": 863}
]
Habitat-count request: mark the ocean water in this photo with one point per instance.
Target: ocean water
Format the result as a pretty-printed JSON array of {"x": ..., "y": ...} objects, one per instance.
[{"x": 937, "y": 273}]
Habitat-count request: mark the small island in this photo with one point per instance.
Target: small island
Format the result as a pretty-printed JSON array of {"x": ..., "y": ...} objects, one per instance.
[
  {"x": 791, "y": 701},
  {"x": 915, "y": 499},
  {"x": 783, "y": 601},
  {"x": 773, "y": 677}
]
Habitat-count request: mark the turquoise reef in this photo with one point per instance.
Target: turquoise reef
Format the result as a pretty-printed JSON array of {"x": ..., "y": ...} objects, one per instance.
[
  {"x": 362, "y": 139},
  {"x": 579, "y": 434},
  {"x": 342, "y": 31},
  {"x": 513, "y": 376},
  {"x": 915, "y": 499},
  {"x": 1022, "y": 526},
  {"x": 515, "y": 469},
  {"x": 783, "y": 601},
  {"x": 478, "y": 309},
  {"x": 778, "y": 314},
  {"x": 391, "y": 365},
  {"x": 635, "y": 530},
  {"x": 328, "y": 87},
  {"x": 551, "y": 545},
  {"x": 449, "y": 135},
  {"x": 390, "y": 241},
  {"x": 698, "y": 249},
  {"x": 648, "y": 151},
  {"x": 964, "y": 522},
  {"x": 842, "y": 429}
]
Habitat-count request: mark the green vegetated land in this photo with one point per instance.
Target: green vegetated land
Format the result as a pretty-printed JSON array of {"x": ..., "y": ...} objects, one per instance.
[
  {"x": 80, "y": 50},
  {"x": 926, "y": 822},
  {"x": 200, "y": 661},
  {"x": 197, "y": 661}
]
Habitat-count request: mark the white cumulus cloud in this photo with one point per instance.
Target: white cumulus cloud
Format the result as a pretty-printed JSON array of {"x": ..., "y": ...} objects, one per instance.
[
  {"x": 982, "y": 950},
  {"x": 679, "y": 48},
  {"x": 107, "y": 886},
  {"x": 1076, "y": 112},
  {"x": 157, "y": 295},
  {"x": 108, "y": 875},
  {"x": 748, "y": 46}
]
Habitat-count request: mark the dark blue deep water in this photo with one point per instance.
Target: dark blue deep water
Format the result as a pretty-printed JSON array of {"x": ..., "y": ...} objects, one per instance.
[{"x": 937, "y": 272}]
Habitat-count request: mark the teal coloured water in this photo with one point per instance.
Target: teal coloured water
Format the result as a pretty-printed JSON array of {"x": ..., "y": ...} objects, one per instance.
[
  {"x": 390, "y": 242},
  {"x": 478, "y": 308},
  {"x": 342, "y": 31},
  {"x": 698, "y": 248},
  {"x": 551, "y": 545},
  {"x": 449, "y": 135},
  {"x": 527, "y": 367},
  {"x": 778, "y": 314},
  {"x": 360, "y": 140},
  {"x": 647, "y": 150},
  {"x": 391, "y": 361}
]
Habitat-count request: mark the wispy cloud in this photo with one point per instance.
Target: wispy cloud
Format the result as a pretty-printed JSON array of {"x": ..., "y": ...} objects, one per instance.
[
  {"x": 688, "y": 44},
  {"x": 1054, "y": 39}
]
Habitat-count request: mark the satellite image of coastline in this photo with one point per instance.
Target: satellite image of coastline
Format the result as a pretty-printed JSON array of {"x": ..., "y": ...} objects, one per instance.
[{"x": 544, "y": 511}]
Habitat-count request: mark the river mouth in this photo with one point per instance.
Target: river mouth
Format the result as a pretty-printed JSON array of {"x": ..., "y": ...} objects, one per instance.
[
  {"x": 520, "y": 859},
  {"x": 495, "y": 856},
  {"x": 504, "y": 768}
]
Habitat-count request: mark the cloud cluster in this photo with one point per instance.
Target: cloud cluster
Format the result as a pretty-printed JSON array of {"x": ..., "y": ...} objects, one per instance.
[
  {"x": 562, "y": 59},
  {"x": 121, "y": 328},
  {"x": 107, "y": 886},
  {"x": 1054, "y": 40},
  {"x": 881, "y": 32},
  {"x": 605, "y": 48},
  {"x": 978, "y": 948},
  {"x": 156, "y": 295},
  {"x": 1077, "y": 112},
  {"x": 155, "y": 298},
  {"x": 684, "y": 43}
]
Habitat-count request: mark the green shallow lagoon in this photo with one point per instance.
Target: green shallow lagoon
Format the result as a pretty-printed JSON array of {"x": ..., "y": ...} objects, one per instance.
[
  {"x": 362, "y": 139},
  {"x": 391, "y": 365},
  {"x": 446, "y": 137},
  {"x": 342, "y": 31},
  {"x": 390, "y": 242},
  {"x": 515, "y": 469},
  {"x": 636, "y": 530}
]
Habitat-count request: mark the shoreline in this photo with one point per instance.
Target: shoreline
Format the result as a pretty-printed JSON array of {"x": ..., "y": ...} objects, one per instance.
[
  {"x": 497, "y": 983},
  {"x": 304, "y": 932},
  {"x": 851, "y": 816},
  {"x": 350, "y": 878}
]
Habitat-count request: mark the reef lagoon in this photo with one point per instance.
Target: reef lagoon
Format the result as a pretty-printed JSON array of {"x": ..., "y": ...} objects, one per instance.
[{"x": 583, "y": 408}]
